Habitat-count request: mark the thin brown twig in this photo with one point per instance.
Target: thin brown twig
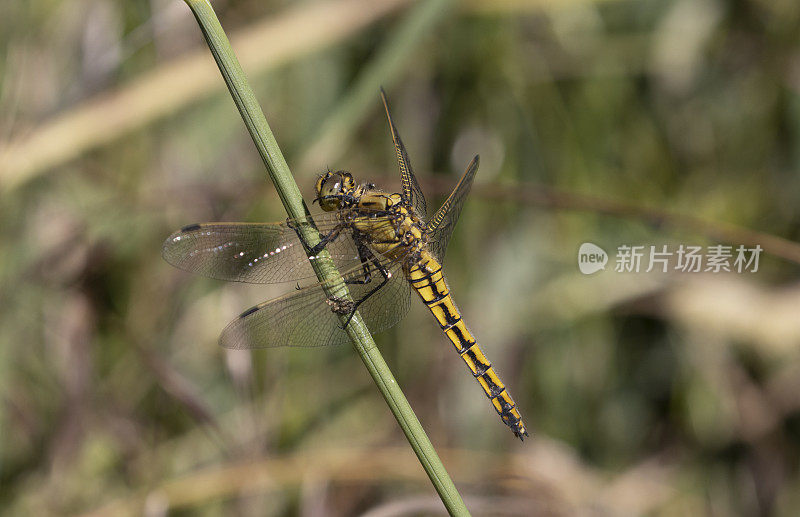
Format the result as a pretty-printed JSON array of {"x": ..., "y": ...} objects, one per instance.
[
  {"x": 549, "y": 197},
  {"x": 558, "y": 199}
]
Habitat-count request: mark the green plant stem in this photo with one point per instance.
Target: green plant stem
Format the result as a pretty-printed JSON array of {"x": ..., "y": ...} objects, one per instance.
[{"x": 292, "y": 200}]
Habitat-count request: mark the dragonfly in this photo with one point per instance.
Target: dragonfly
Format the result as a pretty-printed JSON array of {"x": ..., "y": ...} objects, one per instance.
[{"x": 383, "y": 245}]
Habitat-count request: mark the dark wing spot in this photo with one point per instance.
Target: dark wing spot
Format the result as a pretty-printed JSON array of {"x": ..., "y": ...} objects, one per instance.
[
  {"x": 190, "y": 228},
  {"x": 248, "y": 312}
]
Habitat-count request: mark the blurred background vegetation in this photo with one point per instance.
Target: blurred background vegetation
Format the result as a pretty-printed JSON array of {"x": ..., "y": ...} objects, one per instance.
[{"x": 617, "y": 122}]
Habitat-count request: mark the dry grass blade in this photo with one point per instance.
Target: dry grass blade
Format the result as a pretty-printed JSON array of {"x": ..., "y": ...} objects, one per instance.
[
  {"x": 519, "y": 6},
  {"x": 550, "y": 476},
  {"x": 167, "y": 89}
]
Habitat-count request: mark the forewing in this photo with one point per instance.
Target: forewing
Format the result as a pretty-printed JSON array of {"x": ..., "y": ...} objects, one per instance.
[
  {"x": 260, "y": 253},
  {"x": 443, "y": 222},
  {"x": 305, "y": 318},
  {"x": 411, "y": 191}
]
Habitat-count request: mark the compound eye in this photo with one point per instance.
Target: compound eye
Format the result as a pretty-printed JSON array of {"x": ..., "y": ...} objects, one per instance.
[{"x": 332, "y": 186}]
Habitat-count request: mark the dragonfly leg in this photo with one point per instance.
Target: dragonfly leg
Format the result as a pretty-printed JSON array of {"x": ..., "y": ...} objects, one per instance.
[
  {"x": 386, "y": 277},
  {"x": 366, "y": 257},
  {"x": 325, "y": 240},
  {"x": 322, "y": 243}
]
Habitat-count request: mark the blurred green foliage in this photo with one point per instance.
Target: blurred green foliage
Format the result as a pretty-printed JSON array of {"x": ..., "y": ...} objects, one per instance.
[{"x": 646, "y": 393}]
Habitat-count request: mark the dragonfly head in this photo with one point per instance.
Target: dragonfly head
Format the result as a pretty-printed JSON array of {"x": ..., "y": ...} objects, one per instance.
[{"x": 335, "y": 190}]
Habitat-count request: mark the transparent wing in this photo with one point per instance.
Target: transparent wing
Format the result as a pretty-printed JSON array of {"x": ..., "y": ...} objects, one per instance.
[
  {"x": 260, "y": 253},
  {"x": 443, "y": 222},
  {"x": 412, "y": 194},
  {"x": 305, "y": 318}
]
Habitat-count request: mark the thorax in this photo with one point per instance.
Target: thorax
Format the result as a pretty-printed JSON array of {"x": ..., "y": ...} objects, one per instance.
[{"x": 391, "y": 227}]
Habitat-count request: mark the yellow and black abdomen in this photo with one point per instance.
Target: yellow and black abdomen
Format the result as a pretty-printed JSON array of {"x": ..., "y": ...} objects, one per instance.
[{"x": 427, "y": 279}]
